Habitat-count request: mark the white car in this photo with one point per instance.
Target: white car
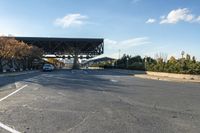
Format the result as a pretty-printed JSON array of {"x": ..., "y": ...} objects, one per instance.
[{"x": 48, "y": 67}]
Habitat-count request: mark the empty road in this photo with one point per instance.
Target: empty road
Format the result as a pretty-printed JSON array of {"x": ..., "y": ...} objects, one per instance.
[{"x": 97, "y": 101}]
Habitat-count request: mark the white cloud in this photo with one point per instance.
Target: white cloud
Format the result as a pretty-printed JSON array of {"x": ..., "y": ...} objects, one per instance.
[
  {"x": 126, "y": 44},
  {"x": 1, "y": 34},
  {"x": 150, "y": 20},
  {"x": 175, "y": 16},
  {"x": 71, "y": 20},
  {"x": 112, "y": 47},
  {"x": 135, "y": 42},
  {"x": 198, "y": 19},
  {"x": 162, "y": 17},
  {"x": 110, "y": 42},
  {"x": 10, "y": 35}
]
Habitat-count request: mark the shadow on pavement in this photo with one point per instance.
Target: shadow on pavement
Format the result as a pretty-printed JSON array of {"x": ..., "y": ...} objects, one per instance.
[
  {"x": 75, "y": 80},
  {"x": 5, "y": 80},
  {"x": 79, "y": 80}
]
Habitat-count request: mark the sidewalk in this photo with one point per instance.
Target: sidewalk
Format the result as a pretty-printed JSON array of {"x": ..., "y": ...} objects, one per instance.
[
  {"x": 162, "y": 78},
  {"x": 17, "y": 73}
]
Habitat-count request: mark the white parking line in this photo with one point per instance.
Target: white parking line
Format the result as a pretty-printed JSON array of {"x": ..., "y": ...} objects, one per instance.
[
  {"x": 1, "y": 124},
  {"x": 8, "y": 128},
  {"x": 13, "y": 93},
  {"x": 112, "y": 80}
]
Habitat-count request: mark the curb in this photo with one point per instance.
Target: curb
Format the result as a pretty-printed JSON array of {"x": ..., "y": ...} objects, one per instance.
[{"x": 166, "y": 79}]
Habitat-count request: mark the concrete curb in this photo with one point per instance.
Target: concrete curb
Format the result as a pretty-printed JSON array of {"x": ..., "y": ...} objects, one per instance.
[
  {"x": 174, "y": 75},
  {"x": 165, "y": 78},
  {"x": 161, "y": 76},
  {"x": 18, "y": 73}
]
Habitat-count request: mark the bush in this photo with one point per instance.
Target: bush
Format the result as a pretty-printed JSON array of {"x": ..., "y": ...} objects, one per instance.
[{"x": 173, "y": 65}]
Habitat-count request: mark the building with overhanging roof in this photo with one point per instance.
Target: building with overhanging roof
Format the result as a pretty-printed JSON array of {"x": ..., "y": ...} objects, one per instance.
[{"x": 76, "y": 48}]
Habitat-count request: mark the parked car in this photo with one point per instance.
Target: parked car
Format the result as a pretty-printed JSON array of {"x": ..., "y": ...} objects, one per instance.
[{"x": 48, "y": 67}]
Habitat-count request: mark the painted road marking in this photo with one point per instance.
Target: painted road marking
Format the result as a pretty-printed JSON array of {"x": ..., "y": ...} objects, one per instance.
[
  {"x": 13, "y": 93},
  {"x": 114, "y": 81},
  {"x": 1, "y": 124},
  {"x": 8, "y": 128}
]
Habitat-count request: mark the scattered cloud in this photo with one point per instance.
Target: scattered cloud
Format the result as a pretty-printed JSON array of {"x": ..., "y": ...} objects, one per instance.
[
  {"x": 112, "y": 47},
  {"x": 110, "y": 42},
  {"x": 126, "y": 44},
  {"x": 3, "y": 34},
  {"x": 178, "y": 15},
  {"x": 198, "y": 19},
  {"x": 150, "y": 21},
  {"x": 71, "y": 20}
]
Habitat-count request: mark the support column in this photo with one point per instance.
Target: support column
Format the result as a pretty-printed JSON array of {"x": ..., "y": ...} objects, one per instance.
[{"x": 76, "y": 62}]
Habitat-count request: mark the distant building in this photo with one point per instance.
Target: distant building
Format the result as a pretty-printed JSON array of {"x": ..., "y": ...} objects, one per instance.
[{"x": 99, "y": 61}]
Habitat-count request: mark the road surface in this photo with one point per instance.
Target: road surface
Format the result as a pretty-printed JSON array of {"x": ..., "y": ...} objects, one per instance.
[{"x": 97, "y": 101}]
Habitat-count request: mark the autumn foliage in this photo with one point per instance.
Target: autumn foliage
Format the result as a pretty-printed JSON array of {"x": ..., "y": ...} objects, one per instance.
[{"x": 18, "y": 54}]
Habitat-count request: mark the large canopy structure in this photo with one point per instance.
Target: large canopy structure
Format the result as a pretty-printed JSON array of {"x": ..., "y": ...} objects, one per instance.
[{"x": 72, "y": 47}]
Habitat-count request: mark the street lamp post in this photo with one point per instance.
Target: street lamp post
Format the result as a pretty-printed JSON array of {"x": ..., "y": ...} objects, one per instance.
[
  {"x": 127, "y": 62},
  {"x": 145, "y": 62}
]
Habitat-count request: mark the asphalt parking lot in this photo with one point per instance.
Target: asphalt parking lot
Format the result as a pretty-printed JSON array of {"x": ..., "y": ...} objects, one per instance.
[{"x": 97, "y": 101}]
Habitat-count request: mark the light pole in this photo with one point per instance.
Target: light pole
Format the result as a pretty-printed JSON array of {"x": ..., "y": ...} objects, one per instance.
[
  {"x": 127, "y": 62},
  {"x": 145, "y": 62}
]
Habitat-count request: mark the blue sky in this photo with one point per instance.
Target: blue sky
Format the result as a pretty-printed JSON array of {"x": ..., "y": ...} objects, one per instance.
[{"x": 135, "y": 27}]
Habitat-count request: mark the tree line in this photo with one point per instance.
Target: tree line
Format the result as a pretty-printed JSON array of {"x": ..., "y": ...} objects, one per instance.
[
  {"x": 18, "y": 55},
  {"x": 184, "y": 65}
]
